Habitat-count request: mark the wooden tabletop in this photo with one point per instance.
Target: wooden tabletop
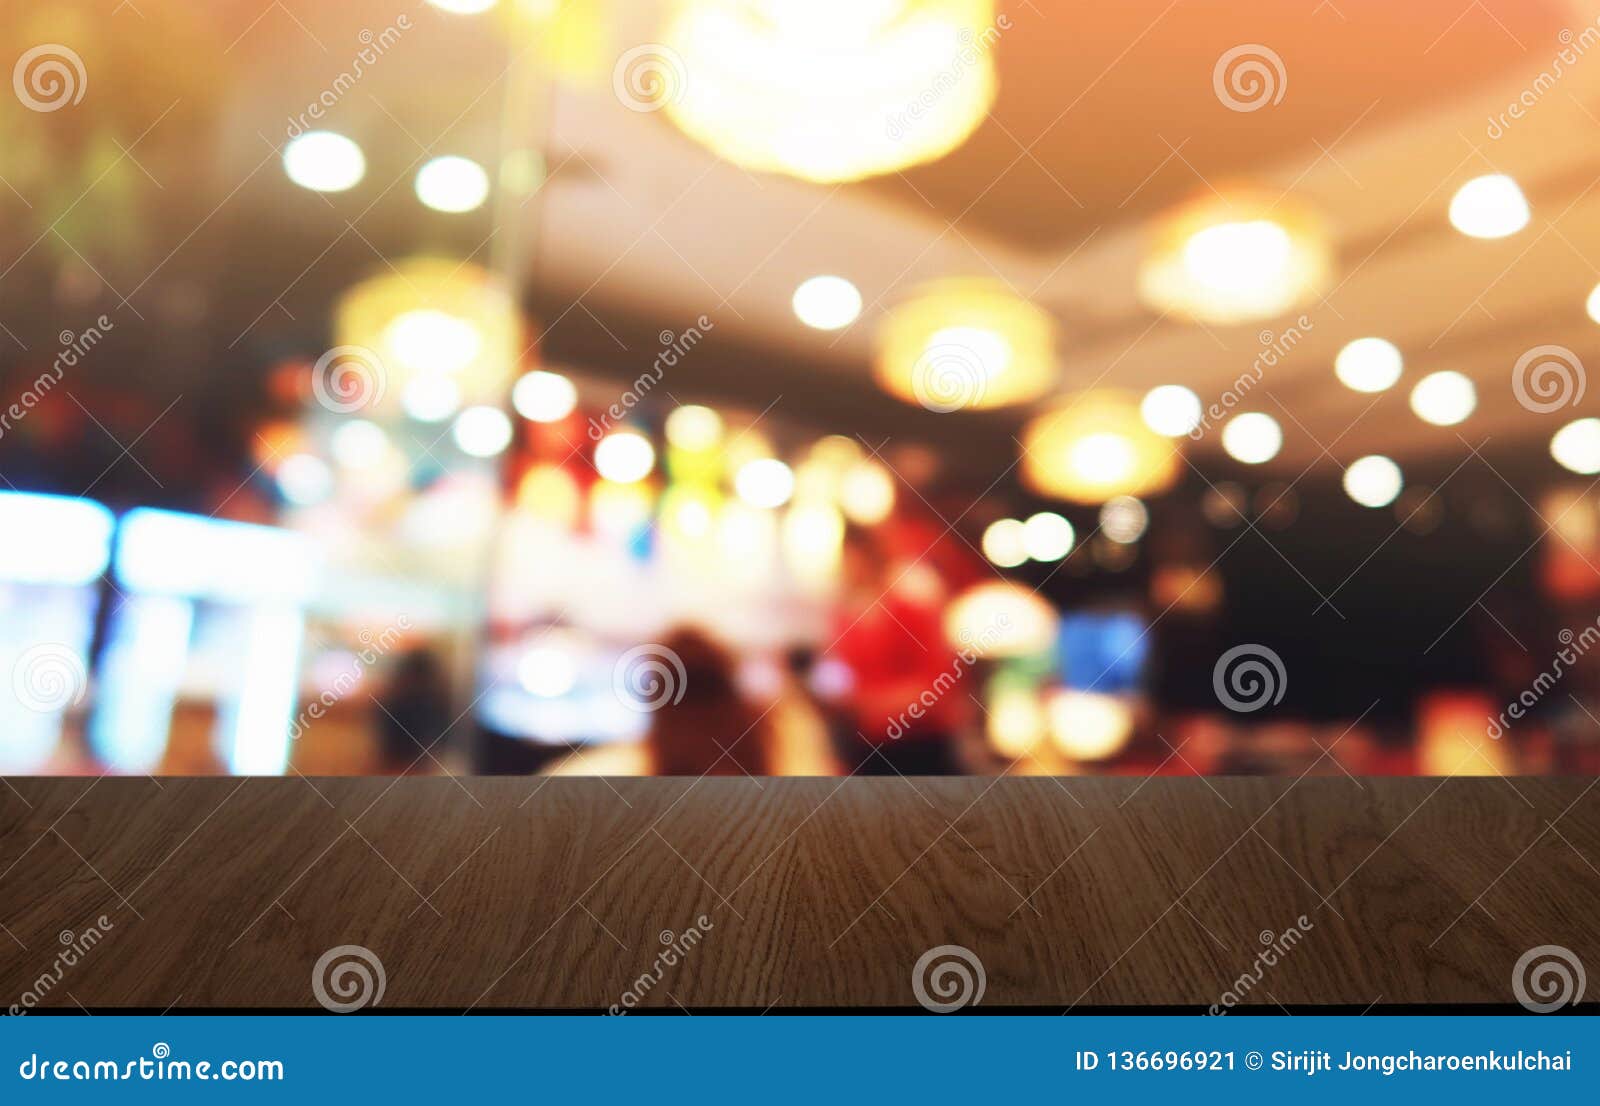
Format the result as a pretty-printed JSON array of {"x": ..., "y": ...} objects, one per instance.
[{"x": 519, "y": 893}]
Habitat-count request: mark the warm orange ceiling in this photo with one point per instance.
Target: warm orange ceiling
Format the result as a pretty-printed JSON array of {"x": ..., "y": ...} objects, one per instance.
[{"x": 1095, "y": 99}]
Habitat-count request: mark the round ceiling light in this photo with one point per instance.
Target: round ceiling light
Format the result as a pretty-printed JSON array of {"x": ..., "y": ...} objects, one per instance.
[
  {"x": 966, "y": 343},
  {"x": 452, "y": 184},
  {"x": 1171, "y": 410},
  {"x": 1094, "y": 447},
  {"x": 1235, "y": 257},
  {"x": 1373, "y": 481},
  {"x": 824, "y": 90},
  {"x": 1576, "y": 446},
  {"x": 1444, "y": 398},
  {"x": 324, "y": 162},
  {"x": 827, "y": 303},
  {"x": 1368, "y": 365},
  {"x": 434, "y": 319},
  {"x": 1253, "y": 438},
  {"x": 1489, "y": 207}
]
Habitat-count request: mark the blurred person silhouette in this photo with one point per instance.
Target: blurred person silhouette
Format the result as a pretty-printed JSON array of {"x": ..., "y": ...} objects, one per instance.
[
  {"x": 802, "y": 732},
  {"x": 702, "y": 726},
  {"x": 904, "y": 700},
  {"x": 710, "y": 729},
  {"x": 414, "y": 710}
]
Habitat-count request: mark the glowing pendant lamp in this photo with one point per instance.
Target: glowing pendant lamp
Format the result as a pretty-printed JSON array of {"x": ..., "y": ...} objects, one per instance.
[
  {"x": 830, "y": 90},
  {"x": 1094, "y": 447},
  {"x": 431, "y": 320},
  {"x": 1236, "y": 257},
  {"x": 966, "y": 343}
]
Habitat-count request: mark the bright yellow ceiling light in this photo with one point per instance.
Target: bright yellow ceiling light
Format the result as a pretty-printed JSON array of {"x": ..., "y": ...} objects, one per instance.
[
  {"x": 1235, "y": 258},
  {"x": 832, "y": 90},
  {"x": 1094, "y": 447},
  {"x": 437, "y": 320},
  {"x": 966, "y": 343}
]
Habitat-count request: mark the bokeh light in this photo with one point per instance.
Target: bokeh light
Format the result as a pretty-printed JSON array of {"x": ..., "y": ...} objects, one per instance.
[
  {"x": 1576, "y": 446},
  {"x": 827, "y": 302},
  {"x": 452, "y": 184},
  {"x": 1171, "y": 410},
  {"x": 624, "y": 457},
  {"x": 324, "y": 162},
  {"x": 1253, "y": 438},
  {"x": 1236, "y": 257},
  {"x": 1444, "y": 398},
  {"x": 1373, "y": 481},
  {"x": 1489, "y": 207},
  {"x": 1368, "y": 365},
  {"x": 542, "y": 396}
]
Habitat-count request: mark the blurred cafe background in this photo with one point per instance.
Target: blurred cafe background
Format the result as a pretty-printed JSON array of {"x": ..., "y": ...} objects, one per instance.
[{"x": 799, "y": 387}]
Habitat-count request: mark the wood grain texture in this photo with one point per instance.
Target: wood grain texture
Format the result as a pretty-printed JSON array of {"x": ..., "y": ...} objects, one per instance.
[{"x": 556, "y": 893}]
